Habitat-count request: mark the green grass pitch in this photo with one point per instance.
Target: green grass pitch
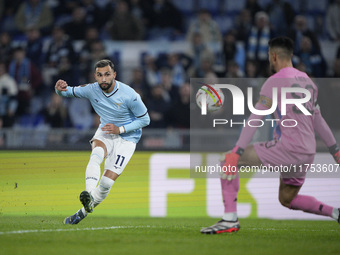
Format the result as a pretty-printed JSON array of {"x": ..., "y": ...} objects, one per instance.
[
  {"x": 123, "y": 235},
  {"x": 39, "y": 189}
]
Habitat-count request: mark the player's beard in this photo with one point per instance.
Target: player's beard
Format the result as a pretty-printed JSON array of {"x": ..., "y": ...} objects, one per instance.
[{"x": 107, "y": 87}]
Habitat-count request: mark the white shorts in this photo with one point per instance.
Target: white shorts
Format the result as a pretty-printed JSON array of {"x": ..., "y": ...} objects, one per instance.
[{"x": 119, "y": 151}]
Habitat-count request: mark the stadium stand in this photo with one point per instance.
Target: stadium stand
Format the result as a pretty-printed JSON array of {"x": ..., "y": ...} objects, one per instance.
[{"x": 129, "y": 56}]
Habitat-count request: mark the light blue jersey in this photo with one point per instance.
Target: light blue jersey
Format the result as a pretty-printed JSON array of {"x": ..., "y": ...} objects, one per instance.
[{"x": 122, "y": 107}]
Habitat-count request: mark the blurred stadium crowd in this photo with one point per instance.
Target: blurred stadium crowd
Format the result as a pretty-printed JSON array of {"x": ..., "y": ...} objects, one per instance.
[{"x": 39, "y": 43}]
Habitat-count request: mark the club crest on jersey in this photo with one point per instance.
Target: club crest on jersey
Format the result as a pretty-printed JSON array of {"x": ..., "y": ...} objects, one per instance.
[{"x": 118, "y": 105}]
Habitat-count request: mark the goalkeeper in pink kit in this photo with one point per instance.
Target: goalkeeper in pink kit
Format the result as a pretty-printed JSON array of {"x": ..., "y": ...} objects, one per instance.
[{"x": 293, "y": 145}]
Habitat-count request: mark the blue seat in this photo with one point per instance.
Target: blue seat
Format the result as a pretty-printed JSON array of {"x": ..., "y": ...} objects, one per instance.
[
  {"x": 316, "y": 6},
  {"x": 264, "y": 3},
  {"x": 33, "y": 120},
  {"x": 211, "y": 5},
  {"x": 187, "y": 7},
  {"x": 234, "y": 6}
]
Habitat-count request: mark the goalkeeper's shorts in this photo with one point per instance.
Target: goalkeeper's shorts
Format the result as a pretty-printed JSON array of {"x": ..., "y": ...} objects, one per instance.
[{"x": 290, "y": 164}]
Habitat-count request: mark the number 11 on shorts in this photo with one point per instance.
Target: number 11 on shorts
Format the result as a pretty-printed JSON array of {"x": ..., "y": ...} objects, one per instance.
[{"x": 118, "y": 158}]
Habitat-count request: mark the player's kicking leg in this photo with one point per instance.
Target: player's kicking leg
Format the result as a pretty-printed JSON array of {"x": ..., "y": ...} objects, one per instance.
[
  {"x": 114, "y": 166},
  {"x": 87, "y": 200},
  {"x": 75, "y": 218},
  {"x": 98, "y": 153}
]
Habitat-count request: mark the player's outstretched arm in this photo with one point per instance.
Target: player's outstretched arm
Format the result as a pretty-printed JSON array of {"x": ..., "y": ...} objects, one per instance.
[{"x": 324, "y": 132}]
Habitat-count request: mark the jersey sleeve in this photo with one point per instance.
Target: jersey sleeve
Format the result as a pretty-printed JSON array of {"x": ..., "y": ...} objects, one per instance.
[
  {"x": 81, "y": 91},
  {"x": 138, "y": 123},
  {"x": 137, "y": 106},
  {"x": 140, "y": 111}
]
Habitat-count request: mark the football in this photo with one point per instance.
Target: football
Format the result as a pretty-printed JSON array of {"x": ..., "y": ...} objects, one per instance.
[{"x": 214, "y": 98}]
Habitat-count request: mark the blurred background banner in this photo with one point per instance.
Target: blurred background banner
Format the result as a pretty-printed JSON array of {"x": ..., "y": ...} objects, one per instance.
[{"x": 154, "y": 184}]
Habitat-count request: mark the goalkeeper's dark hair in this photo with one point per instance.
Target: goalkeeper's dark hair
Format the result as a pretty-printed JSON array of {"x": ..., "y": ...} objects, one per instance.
[
  {"x": 103, "y": 63},
  {"x": 285, "y": 44}
]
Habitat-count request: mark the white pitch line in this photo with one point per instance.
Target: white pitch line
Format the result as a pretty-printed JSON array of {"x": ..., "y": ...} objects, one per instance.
[
  {"x": 67, "y": 229},
  {"x": 286, "y": 229},
  {"x": 122, "y": 227}
]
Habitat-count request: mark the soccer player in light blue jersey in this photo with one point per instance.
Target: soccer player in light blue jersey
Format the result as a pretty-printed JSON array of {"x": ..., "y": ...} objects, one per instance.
[{"x": 122, "y": 117}]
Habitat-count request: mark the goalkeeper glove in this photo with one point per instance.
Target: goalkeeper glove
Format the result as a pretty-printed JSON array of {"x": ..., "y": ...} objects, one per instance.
[
  {"x": 334, "y": 150},
  {"x": 230, "y": 163}
]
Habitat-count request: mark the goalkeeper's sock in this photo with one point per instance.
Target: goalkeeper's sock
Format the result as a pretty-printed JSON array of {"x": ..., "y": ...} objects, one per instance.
[
  {"x": 335, "y": 213},
  {"x": 310, "y": 205},
  {"x": 103, "y": 189},
  {"x": 229, "y": 194},
  {"x": 92, "y": 174},
  {"x": 231, "y": 216}
]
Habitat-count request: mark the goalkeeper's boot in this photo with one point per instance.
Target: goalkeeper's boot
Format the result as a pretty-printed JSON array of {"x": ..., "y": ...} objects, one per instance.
[
  {"x": 87, "y": 200},
  {"x": 75, "y": 218},
  {"x": 222, "y": 226}
]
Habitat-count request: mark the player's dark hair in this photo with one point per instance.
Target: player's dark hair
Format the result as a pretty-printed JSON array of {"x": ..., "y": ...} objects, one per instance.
[
  {"x": 284, "y": 43},
  {"x": 103, "y": 63}
]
